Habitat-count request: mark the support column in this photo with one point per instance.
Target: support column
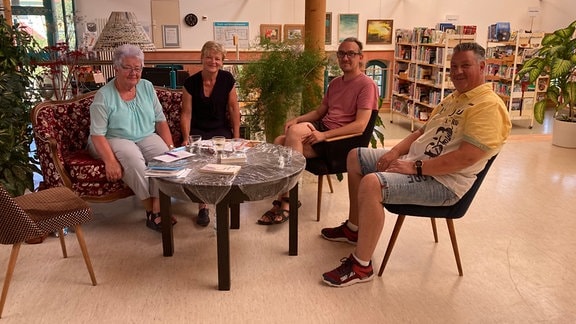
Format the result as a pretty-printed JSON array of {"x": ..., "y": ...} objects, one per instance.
[
  {"x": 314, "y": 40},
  {"x": 7, "y": 11}
]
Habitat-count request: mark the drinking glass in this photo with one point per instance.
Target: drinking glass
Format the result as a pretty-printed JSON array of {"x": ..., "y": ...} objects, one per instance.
[
  {"x": 194, "y": 142},
  {"x": 218, "y": 143}
]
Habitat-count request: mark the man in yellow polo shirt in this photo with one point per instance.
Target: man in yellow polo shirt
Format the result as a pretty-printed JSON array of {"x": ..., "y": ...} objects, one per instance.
[{"x": 434, "y": 166}]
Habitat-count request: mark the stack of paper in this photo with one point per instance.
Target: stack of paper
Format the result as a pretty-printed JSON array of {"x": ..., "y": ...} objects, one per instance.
[
  {"x": 220, "y": 168},
  {"x": 174, "y": 155}
]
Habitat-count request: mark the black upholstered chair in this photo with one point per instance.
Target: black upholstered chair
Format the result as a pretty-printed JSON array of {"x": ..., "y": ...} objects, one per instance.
[
  {"x": 36, "y": 214},
  {"x": 448, "y": 212},
  {"x": 334, "y": 161}
]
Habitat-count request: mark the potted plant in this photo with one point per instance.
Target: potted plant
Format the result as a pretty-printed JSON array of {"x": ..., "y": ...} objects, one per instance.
[
  {"x": 17, "y": 98},
  {"x": 276, "y": 82},
  {"x": 556, "y": 58}
]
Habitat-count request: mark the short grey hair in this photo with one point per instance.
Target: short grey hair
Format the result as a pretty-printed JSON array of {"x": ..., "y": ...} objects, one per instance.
[
  {"x": 478, "y": 50},
  {"x": 127, "y": 50}
]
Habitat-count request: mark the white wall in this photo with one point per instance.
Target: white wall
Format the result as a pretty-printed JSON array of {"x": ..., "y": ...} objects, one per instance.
[{"x": 405, "y": 13}]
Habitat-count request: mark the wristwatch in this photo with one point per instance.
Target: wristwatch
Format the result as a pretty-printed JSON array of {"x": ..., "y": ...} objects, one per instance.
[
  {"x": 171, "y": 146},
  {"x": 418, "y": 165}
]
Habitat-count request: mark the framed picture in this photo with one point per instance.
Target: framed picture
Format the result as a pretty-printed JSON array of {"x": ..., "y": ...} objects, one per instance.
[
  {"x": 379, "y": 31},
  {"x": 294, "y": 33},
  {"x": 170, "y": 36},
  {"x": 328, "y": 32},
  {"x": 271, "y": 32},
  {"x": 347, "y": 26}
]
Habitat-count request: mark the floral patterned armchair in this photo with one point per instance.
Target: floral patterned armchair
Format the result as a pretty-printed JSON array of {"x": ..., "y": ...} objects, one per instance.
[{"x": 61, "y": 130}]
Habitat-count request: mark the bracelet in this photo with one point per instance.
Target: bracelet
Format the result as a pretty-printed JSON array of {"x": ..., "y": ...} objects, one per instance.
[{"x": 171, "y": 146}]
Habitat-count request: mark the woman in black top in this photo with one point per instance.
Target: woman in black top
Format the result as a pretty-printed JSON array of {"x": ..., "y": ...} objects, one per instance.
[{"x": 210, "y": 104}]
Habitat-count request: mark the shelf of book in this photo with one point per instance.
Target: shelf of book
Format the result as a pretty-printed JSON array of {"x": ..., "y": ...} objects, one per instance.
[
  {"x": 504, "y": 58},
  {"x": 421, "y": 76}
]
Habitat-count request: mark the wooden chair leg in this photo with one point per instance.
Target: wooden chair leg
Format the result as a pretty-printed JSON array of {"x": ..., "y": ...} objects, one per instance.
[
  {"x": 434, "y": 230},
  {"x": 330, "y": 183},
  {"x": 62, "y": 243},
  {"x": 450, "y": 224},
  {"x": 319, "y": 197},
  {"x": 82, "y": 243},
  {"x": 391, "y": 243},
  {"x": 9, "y": 273}
]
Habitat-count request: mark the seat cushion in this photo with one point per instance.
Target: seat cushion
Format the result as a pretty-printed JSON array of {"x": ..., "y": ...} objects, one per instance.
[{"x": 83, "y": 167}]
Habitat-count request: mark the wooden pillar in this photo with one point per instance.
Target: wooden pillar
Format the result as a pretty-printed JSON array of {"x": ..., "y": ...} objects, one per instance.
[
  {"x": 314, "y": 40},
  {"x": 7, "y": 11}
]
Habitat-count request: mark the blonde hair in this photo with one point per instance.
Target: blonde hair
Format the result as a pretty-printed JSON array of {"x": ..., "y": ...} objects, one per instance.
[{"x": 210, "y": 46}]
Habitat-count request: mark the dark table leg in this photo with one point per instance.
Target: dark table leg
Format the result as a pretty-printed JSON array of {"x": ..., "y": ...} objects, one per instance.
[
  {"x": 223, "y": 245},
  {"x": 293, "y": 222},
  {"x": 235, "y": 216},
  {"x": 167, "y": 234}
]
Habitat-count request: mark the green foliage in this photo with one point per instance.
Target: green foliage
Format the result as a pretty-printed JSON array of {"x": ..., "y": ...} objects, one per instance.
[
  {"x": 557, "y": 59},
  {"x": 16, "y": 100},
  {"x": 278, "y": 80}
]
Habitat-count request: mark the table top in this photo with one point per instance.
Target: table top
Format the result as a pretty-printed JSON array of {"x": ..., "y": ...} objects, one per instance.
[{"x": 267, "y": 172}]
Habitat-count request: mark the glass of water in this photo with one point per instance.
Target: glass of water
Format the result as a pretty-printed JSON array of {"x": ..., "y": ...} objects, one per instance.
[
  {"x": 218, "y": 143},
  {"x": 194, "y": 143}
]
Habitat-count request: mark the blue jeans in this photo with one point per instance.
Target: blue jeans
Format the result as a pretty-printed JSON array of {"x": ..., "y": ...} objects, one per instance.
[{"x": 405, "y": 188}]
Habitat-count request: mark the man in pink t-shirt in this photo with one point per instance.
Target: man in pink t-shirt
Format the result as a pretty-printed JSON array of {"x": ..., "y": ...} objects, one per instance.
[{"x": 345, "y": 109}]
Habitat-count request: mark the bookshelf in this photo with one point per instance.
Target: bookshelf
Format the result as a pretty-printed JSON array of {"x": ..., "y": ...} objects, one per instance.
[
  {"x": 422, "y": 68},
  {"x": 504, "y": 58}
]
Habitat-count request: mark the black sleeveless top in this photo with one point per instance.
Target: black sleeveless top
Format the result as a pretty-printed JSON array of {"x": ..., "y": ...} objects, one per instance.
[{"x": 210, "y": 113}]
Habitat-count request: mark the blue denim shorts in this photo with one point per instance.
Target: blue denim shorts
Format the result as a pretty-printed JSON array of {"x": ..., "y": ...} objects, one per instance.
[{"x": 405, "y": 188}]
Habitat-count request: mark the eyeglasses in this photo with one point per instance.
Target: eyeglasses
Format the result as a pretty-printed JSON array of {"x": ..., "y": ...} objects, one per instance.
[
  {"x": 129, "y": 69},
  {"x": 350, "y": 54}
]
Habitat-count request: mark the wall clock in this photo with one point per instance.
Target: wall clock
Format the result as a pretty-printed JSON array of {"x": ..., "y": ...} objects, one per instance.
[{"x": 191, "y": 19}]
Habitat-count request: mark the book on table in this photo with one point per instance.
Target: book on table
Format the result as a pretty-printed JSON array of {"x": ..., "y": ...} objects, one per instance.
[
  {"x": 233, "y": 158},
  {"x": 220, "y": 168},
  {"x": 166, "y": 171}
]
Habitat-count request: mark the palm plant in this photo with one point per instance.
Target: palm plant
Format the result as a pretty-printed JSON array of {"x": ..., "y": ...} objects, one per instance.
[
  {"x": 556, "y": 58},
  {"x": 277, "y": 79}
]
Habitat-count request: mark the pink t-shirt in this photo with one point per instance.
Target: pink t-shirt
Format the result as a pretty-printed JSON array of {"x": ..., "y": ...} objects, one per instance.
[{"x": 345, "y": 97}]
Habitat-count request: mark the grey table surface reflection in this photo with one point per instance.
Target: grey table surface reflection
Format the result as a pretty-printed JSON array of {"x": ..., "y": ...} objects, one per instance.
[{"x": 267, "y": 172}]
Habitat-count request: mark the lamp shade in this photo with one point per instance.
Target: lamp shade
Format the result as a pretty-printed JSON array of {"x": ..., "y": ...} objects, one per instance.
[{"x": 123, "y": 28}]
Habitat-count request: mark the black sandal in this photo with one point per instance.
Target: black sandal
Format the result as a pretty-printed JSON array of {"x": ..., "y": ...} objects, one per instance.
[{"x": 151, "y": 221}]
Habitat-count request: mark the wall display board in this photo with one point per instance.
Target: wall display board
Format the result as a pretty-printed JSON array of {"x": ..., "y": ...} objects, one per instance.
[{"x": 224, "y": 33}]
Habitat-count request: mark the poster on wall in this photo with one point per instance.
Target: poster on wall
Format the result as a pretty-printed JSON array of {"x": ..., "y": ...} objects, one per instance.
[
  {"x": 224, "y": 33},
  {"x": 347, "y": 26},
  {"x": 328, "y": 32},
  {"x": 294, "y": 33},
  {"x": 379, "y": 31},
  {"x": 273, "y": 33}
]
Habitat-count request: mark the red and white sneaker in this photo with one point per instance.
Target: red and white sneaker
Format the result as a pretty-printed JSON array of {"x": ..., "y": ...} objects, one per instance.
[
  {"x": 348, "y": 273},
  {"x": 340, "y": 234}
]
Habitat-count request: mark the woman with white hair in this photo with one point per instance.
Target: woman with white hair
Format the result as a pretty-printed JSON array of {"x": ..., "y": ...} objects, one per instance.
[{"x": 128, "y": 128}]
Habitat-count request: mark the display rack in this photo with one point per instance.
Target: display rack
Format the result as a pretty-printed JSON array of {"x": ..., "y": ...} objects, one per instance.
[
  {"x": 421, "y": 71},
  {"x": 504, "y": 58}
]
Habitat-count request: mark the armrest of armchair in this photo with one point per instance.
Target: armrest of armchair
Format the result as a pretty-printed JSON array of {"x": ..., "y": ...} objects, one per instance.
[{"x": 58, "y": 163}]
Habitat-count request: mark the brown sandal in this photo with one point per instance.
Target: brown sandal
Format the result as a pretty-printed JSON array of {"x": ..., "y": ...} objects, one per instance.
[{"x": 269, "y": 217}]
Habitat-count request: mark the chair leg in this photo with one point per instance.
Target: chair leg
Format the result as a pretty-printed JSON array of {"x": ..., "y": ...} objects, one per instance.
[
  {"x": 391, "y": 243},
  {"x": 330, "y": 183},
  {"x": 62, "y": 243},
  {"x": 319, "y": 197},
  {"x": 434, "y": 231},
  {"x": 450, "y": 224},
  {"x": 82, "y": 243},
  {"x": 9, "y": 273}
]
